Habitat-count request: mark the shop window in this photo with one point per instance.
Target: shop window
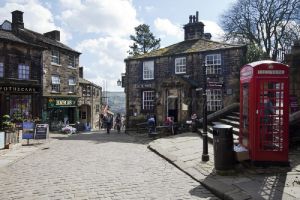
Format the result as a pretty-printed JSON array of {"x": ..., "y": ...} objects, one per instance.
[
  {"x": 148, "y": 70},
  {"x": 20, "y": 106},
  {"x": 55, "y": 57},
  {"x": 72, "y": 85},
  {"x": 213, "y": 64},
  {"x": 23, "y": 72},
  {"x": 55, "y": 83},
  {"x": 71, "y": 61},
  {"x": 148, "y": 100},
  {"x": 180, "y": 65},
  {"x": 1, "y": 70}
]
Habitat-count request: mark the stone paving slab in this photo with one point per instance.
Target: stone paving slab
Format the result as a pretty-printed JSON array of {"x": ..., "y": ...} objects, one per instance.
[{"x": 245, "y": 182}]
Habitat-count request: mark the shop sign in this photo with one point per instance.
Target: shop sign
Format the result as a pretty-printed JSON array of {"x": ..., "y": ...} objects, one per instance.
[
  {"x": 17, "y": 89},
  {"x": 61, "y": 102},
  {"x": 41, "y": 131}
]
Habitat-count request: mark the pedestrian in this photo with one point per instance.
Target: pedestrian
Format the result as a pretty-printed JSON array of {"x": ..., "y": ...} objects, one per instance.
[
  {"x": 151, "y": 124},
  {"x": 118, "y": 122},
  {"x": 108, "y": 121}
]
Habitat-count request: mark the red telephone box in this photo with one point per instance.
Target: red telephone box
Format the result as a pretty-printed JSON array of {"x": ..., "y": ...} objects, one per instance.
[{"x": 264, "y": 111}]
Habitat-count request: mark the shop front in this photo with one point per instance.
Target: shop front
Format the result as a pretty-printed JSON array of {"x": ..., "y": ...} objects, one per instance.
[
  {"x": 20, "y": 102},
  {"x": 60, "y": 112}
]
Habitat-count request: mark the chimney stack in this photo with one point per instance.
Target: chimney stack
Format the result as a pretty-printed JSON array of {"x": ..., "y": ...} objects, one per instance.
[
  {"x": 54, "y": 35},
  {"x": 81, "y": 72},
  {"x": 194, "y": 29},
  {"x": 17, "y": 20}
]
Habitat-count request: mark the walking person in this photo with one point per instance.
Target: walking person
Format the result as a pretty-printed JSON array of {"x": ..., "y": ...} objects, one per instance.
[
  {"x": 108, "y": 121},
  {"x": 118, "y": 122}
]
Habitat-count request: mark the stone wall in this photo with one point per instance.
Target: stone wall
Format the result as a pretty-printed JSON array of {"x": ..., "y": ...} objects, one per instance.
[{"x": 232, "y": 61}]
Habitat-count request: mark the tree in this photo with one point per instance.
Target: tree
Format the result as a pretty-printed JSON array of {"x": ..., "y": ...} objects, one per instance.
[
  {"x": 144, "y": 41},
  {"x": 271, "y": 25}
]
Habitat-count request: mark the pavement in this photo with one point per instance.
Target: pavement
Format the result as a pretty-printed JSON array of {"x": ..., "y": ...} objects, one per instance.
[
  {"x": 245, "y": 181},
  {"x": 185, "y": 151}
]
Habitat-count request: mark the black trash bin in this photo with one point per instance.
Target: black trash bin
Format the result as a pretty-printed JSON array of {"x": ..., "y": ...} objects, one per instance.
[{"x": 223, "y": 147}]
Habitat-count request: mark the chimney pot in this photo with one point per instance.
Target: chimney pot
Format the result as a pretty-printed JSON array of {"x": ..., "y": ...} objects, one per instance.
[{"x": 17, "y": 20}]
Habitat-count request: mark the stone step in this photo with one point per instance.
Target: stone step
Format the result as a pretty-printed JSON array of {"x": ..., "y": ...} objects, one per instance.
[
  {"x": 230, "y": 122},
  {"x": 233, "y": 117},
  {"x": 210, "y": 135}
]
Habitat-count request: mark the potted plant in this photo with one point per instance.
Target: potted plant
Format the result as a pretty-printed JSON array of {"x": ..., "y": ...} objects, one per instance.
[{"x": 9, "y": 128}]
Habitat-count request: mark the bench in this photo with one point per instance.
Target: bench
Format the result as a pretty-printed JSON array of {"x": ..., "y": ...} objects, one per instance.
[{"x": 141, "y": 126}]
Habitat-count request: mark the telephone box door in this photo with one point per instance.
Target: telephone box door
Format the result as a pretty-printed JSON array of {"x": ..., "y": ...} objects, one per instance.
[{"x": 272, "y": 112}]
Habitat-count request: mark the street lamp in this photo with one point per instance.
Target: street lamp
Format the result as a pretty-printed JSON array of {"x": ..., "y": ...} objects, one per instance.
[
  {"x": 119, "y": 82},
  {"x": 205, "y": 156}
]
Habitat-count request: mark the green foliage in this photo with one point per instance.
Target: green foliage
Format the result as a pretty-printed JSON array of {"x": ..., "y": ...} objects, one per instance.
[
  {"x": 143, "y": 41},
  {"x": 254, "y": 53},
  {"x": 6, "y": 124}
]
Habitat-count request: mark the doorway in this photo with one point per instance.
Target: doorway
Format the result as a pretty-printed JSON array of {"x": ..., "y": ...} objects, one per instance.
[{"x": 172, "y": 108}]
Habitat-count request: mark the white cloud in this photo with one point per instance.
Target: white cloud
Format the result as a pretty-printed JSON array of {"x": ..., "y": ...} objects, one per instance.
[
  {"x": 110, "y": 17},
  {"x": 36, "y": 17},
  {"x": 213, "y": 28},
  {"x": 166, "y": 27},
  {"x": 108, "y": 55}
]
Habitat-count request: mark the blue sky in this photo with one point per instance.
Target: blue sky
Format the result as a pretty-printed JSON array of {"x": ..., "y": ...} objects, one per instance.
[{"x": 100, "y": 29}]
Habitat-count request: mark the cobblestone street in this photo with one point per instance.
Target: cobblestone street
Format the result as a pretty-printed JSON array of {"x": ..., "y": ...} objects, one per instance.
[{"x": 97, "y": 166}]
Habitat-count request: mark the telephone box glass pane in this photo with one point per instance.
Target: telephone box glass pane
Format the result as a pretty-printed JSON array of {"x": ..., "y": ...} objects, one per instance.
[
  {"x": 245, "y": 114},
  {"x": 271, "y": 115}
]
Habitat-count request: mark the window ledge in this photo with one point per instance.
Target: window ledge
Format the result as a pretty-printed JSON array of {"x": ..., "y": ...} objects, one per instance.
[
  {"x": 55, "y": 64},
  {"x": 53, "y": 92},
  {"x": 70, "y": 67}
]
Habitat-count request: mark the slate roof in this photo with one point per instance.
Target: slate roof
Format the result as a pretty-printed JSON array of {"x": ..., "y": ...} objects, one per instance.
[
  {"x": 32, "y": 38},
  {"x": 41, "y": 38},
  {"x": 187, "y": 46},
  {"x": 84, "y": 81},
  {"x": 8, "y": 35}
]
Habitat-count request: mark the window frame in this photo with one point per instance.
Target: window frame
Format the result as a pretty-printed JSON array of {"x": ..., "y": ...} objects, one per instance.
[
  {"x": 213, "y": 63},
  {"x": 148, "y": 104},
  {"x": 55, "y": 59},
  {"x": 214, "y": 99},
  {"x": 72, "y": 84},
  {"x": 23, "y": 71},
  {"x": 1, "y": 69},
  {"x": 148, "y": 70},
  {"x": 55, "y": 84},
  {"x": 180, "y": 65},
  {"x": 71, "y": 61}
]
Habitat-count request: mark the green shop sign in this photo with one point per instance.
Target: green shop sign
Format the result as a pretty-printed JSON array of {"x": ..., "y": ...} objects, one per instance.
[{"x": 54, "y": 103}]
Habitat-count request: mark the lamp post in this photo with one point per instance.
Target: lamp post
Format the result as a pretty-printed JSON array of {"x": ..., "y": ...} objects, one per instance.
[
  {"x": 205, "y": 156},
  {"x": 119, "y": 82}
]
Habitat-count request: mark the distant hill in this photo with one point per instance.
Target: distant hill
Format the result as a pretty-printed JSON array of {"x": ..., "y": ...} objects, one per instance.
[{"x": 116, "y": 102}]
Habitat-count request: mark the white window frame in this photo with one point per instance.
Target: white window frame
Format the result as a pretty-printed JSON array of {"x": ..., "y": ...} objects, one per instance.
[
  {"x": 148, "y": 99},
  {"x": 148, "y": 70},
  {"x": 213, "y": 64},
  {"x": 71, "y": 61},
  {"x": 214, "y": 99},
  {"x": 55, "y": 57},
  {"x": 72, "y": 84},
  {"x": 1, "y": 70},
  {"x": 55, "y": 83},
  {"x": 180, "y": 65},
  {"x": 23, "y": 72}
]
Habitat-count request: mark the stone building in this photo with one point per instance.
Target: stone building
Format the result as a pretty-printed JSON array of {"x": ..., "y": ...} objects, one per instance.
[
  {"x": 169, "y": 81},
  {"x": 56, "y": 70},
  {"x": 89, "y": 103},
  {"x": 293, "y": 60},
  {"x": 20, "y": 75}
]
